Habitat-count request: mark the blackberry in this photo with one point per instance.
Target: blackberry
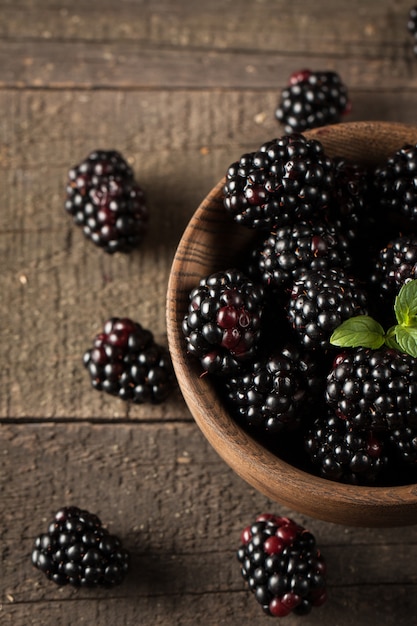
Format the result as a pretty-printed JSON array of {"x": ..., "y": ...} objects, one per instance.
[
  {"x": 77, "y": 550},
  {"x": 320, "y": 301},
  {"x": 106, "y": 201},
  {"x": 312, "y": 99},
  {"x": 340, "y": 452},
  {"x": 412, "y": 26},
  {"x": 395, "y": 265},
  {"x": 290, "y": 250},
  {"x": 125, "y": 361},
  {"x": 404, "y": 442},
  {"x": 287, "y": 179},
  {"x": 395, "y": 186},
  {"x": 373, "y": 389},
  {"x": 223, "y": 324},
  {"x": 282, "y": 566},
  {"x": 272, "y": 394}
]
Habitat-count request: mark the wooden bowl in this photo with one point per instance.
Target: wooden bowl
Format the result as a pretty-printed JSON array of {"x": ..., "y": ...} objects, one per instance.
[{"x": 210, "y": 243}]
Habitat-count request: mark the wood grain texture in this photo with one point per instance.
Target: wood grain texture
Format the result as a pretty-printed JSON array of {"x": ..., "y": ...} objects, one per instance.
[{"x": 182, "y": 89}]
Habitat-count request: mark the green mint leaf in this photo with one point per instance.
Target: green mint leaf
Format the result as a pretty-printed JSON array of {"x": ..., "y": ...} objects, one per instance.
[
  {"x": 405, "y": 306},
  {"x": 360, "y": 331},
  {"x": 390, "y": 340},
  {"x": 406, "y": 337}
]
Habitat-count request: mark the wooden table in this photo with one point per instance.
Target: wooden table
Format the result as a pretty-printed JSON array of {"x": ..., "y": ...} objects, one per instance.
[{"x": 182, "y": 89}]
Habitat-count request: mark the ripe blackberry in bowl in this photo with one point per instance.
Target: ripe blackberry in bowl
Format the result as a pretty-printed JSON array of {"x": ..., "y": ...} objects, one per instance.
[
  {"x": 286, "y": 179},
  {"x": 125, "y": 361},
  {"x": 211, "y": 242},
  {"x": 312, "y": 99},
  {"x": 104, "y": 199},
  {"x": 282, "y": 566},
  {"x": 78, "y": 550},
  {"x": 222, "y": 326}
]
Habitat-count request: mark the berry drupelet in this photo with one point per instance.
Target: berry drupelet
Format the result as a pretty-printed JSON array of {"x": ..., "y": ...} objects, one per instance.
[
  {"x": 346, "y": 454},
  {"x": 282, "y": 566},
  {"x": 373, "y": 389},
  {"x": 312, "y": 99},
  {"x": 77, "y": 550},
  {"x": 287, "y": 179},
  {"x": 222, "y": 327},
  {"x": 412, "y": 26},
  {"x": 319, "y": 301},
  {"x": 125, "y": 361},
  {"x": 106, "y": 201}
]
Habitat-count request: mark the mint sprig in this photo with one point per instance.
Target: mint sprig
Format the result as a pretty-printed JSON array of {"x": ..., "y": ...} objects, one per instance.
[{"x": 363, "y": 331}]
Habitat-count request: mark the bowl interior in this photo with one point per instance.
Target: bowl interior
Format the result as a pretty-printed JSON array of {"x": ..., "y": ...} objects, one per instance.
[{"x": 212, "y": 242}]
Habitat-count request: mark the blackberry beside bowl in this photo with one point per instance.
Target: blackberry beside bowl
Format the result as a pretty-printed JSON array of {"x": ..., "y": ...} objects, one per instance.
[{"x": 212, "y": 242}]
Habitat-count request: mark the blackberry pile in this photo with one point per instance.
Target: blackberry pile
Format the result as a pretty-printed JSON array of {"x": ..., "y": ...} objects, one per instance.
[
  {"x": 77, "y": 550},
  {"x": 312, "y": 99},
  {"x": 282, "y": 566},
  {"x": 104, "y": 199},
  {"x": 125, "y": 361},
  {"x": 320, "y": 263}
]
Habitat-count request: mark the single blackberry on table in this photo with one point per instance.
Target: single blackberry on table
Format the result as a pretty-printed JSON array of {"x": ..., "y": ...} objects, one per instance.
[
  {"x": 273, "y": 394},
  {"x": 222, "y": 326},
  {"x": 125, "y": 361},
  {"x": 320, "y": 301},
  {"x": 395, "y": 264},
  {"x": 287, "y": 179},
  {"x": 290, "y": 250},
  {"x": 312, "y": 99},
  {"x": 395, "y": 187},
  {"x": 77, "y": 550},
  {"x": 282, "y": 566},
  {"x": 373, "y": 389},
  {"x": 105, "y": 200}
]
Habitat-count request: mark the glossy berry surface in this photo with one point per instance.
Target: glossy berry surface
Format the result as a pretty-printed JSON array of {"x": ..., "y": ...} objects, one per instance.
[
  {"x": 104, "y": 199},
  {"x": 125, "y": 361},
  {"x": 223, "y": 321},
  {"x": 282, "y": 566},
  {"x": 287, "y": 179},
  {"x": 77, "y": 550},
  {"x": 312, "y": 99}
]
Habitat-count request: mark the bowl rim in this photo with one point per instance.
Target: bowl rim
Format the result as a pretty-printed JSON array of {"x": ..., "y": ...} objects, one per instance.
[{"x": 269, "y": 474}]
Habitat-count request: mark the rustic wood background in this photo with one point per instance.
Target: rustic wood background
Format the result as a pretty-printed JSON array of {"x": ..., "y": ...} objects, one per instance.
[{"x": 182, "y": 89}]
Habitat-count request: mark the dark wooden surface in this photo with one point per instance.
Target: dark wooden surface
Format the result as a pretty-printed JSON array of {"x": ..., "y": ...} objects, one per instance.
[{"x": 181, "y": 89}]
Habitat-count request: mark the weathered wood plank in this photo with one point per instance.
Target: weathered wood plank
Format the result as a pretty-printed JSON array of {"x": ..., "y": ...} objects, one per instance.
[
  {"x": 125, "y": 65},
  {"x": 179, "y": 510},
  {"x": 368, "y": 28}
]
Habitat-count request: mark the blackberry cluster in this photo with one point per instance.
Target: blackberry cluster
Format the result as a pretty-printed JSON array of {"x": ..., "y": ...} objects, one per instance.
[
  {"x": 412, "y": 26},
  {"x": 288, "y": 251},
  {"x": 395, "y": 186},
  {"x": 344, "y": 453},
  {"x": 312, "y": 99},
  {"x": 77, "y": 550},
  {"x": 374, "y": 389},
  {"x": 272, "y": 395},
  {"x": 320, "y": 301},
  {"x": 125, "y": 361},
  {"x": 105, "y": 200},
  {"x": 287, "y": 179},
  {"x": 222, "y": 327},
  {"x": 282, "y": 566}
]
